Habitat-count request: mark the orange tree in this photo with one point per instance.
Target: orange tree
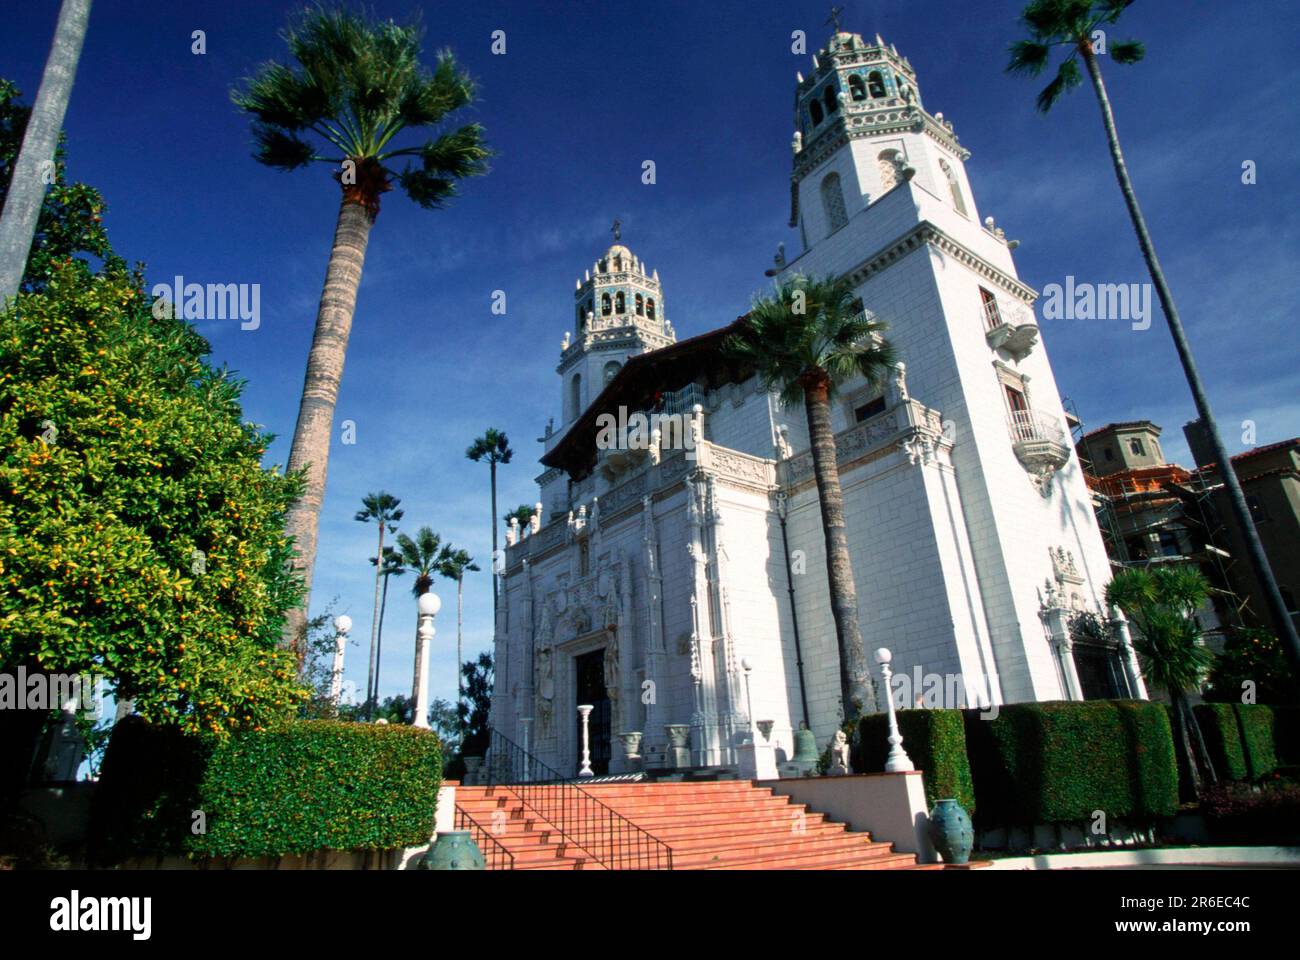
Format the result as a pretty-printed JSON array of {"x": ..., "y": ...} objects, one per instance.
[{"x": 140, "y": 537}]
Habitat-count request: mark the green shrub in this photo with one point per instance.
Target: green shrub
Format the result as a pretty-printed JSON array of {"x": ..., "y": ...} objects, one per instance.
[
  {"x": 936, "y": 742},
  {"x": 1059, "y": 762},
  {"x": 1248, "y": 741},
  {"x": 300, "y": 787}
]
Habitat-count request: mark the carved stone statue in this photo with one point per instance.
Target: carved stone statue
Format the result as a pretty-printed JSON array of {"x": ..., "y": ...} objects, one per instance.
[
  {"x": 783, "y": 449},
  {"x": 545, "y": 675},
  {"x": 839, "y": 756},
  {"x": 898, "y": 382}
]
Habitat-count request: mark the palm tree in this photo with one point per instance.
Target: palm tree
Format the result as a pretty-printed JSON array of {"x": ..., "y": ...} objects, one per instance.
[
  {"x": 22, "y": 206},
  {"x": 1161, "y": 602},
  {"x": 1070, "y": 24},
  {"x": 805, "y": 340},
  {"x": 357, "y": 84},
  {"x": 381, "y": 507},
  {"x": 523, "y": 513},
  {"x": 392, "y": 567},
  {"x": 453, "y": 564},
  {"x": 494, "y": 447},
  {"x": 421, "y": 556}
]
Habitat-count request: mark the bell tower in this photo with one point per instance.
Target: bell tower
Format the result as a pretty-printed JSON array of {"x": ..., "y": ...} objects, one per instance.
[
  {"x": 618, "y": 313},
  {"x": 860, "y": 130}
]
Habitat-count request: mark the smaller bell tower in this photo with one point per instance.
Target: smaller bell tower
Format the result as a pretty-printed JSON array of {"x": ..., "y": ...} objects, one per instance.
[
  {"x": 618, "y": 313},
  {"x": 860, "y": 130}
]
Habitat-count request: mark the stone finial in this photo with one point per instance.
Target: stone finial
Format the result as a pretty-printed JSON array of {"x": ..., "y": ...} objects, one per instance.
[
  {"x": 564, "y": 344},
  {"x": 535, "y": 522},
  {"x": 512, "y": 532}
]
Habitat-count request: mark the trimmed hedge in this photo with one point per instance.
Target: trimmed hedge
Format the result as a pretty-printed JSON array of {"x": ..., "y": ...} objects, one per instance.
[
  {"x": 306, "y": 786},
  {"x": 1059, "y": 762},
  {"x": 1249, "y": 741},
  {"x": 936, "y": 742}
]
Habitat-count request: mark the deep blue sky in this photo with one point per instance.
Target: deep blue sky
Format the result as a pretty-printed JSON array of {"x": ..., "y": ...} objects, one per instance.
[{"x": 585, "y": 93}]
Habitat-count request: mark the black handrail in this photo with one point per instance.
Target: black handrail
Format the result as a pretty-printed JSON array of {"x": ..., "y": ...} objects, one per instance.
[
  {"x": 499, "y": 858},
  {"x": 610, "y": 838}
]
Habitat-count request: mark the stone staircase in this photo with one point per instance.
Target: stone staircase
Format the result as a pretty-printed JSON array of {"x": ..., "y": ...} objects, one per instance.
[{"x": 708, "y": 825}]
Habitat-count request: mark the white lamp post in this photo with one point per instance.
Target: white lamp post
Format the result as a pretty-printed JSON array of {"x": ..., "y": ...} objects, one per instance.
[
  {"x": 428, "y": 606},
  {"x": 342, "y": 627},
  {"x": 584, "y": 711},
  {"x": 898, "y": 761}
]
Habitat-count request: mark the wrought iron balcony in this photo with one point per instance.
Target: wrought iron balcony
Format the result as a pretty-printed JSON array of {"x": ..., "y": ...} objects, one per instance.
[
  {"x": 1016, "y": 336},
  {"x": 1040, "y": 444}
]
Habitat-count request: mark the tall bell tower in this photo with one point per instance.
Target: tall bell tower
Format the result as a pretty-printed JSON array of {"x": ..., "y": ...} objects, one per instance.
[
  {"x": 618, "y": 313},
  {"x": 861, "y": 110}
]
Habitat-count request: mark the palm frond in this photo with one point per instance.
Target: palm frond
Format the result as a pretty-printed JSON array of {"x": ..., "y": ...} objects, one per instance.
[
  {"x": 1068, "y": 76},
  {"x": 1028, "y": 57},
  {"x": 1127, "y": 51}
]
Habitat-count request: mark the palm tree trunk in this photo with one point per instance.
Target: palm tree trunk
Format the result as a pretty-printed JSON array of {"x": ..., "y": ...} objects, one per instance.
[
  {"x": 460, "y": 689},
  {"x": 374, "y": 619},
  {"x": 1198, "y": 738},
  {"x": 1282, "y": 622},
  {"x": 379, "y": 643},
  {"x": 1180, "y": 719},
  {"x": 492, "y": 465},
  {"x": 320, "y": 390},
  {"x": 22, "y": 207},
  {"x": 854, "y": 691}
]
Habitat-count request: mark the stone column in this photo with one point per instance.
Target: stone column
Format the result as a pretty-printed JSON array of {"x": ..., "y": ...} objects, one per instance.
[
  {"x": 428, "y": 606},
  {"x": 1128, "y": 656},
  {"x": 1054, "y": 617}
]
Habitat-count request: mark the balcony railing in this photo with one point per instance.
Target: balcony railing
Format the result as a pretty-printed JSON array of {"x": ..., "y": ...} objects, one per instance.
[{"x": 1027, "y": 425}]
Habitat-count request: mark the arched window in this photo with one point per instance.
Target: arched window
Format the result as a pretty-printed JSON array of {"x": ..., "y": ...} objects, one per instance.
[
  {"x": 953, "y": 186},
  {"x": 815, "y": 108},
  {"x": 650, "y": 308},
  {"x": 605, "y": 308},
  {"x": 887, "y": 163},
  {"x": 640, "y": 305},
  {"x": 582, "y": 316},
  {"x": 829, "y": 99},
  {"x": 575, "y": 396},
  {"x": 876, "y": 84},
  {"x": 620, "y": 303},
  {"x": 857, "y": 89},
  {"x": 611, "y": 370},
  {"x": 833, "y": 202}
]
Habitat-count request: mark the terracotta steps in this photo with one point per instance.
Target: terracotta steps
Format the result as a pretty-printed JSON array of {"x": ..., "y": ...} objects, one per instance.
[{"x": 708, "y": 825}]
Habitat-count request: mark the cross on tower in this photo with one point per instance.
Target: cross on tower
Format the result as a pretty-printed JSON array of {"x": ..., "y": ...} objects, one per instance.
[
  {"x": 617, "y": 230},
  {"x": 834, "y": 18}
]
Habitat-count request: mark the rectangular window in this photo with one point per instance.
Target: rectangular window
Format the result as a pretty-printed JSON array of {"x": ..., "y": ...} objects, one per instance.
[
  {"x": 992, "y": 316},
  {"x": 1135, "y": 445},
  {"x": 1016, "y": 400},
  {"x": 869, "y": 409},
  {"x": 1169, "y": 544}
]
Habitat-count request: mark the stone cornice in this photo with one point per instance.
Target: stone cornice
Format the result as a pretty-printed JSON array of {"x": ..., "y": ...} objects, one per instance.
[{"x": 926, "y": 233}]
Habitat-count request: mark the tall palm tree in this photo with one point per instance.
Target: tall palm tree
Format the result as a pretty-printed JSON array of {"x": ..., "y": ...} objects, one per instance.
[
  {"x": 22, "y": 206},
  {"x": 382, "y": 509},
  {"x": 357, "y": 84},
  {"x": 494, "y": 447},
  {"x": 806, "y": 339},
  {"x": 422, "y": 557},
  {"x": 1070, "y": 25},
  {"x": 454, "y": 563},
  {"x": 1161, "y": 602},
  {"x": 392, "y": 567}
]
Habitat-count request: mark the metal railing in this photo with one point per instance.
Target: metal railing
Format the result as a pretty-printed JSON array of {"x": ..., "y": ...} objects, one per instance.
[
  {"x": 992, "y": 315},
  {"x": 1028, "y": 425},
  {"x": 611, "y": 839},
  {"x": 494, "y": 851}
]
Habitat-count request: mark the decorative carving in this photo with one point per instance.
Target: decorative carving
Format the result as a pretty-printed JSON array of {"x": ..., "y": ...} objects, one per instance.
[{"x": 839, "y": 756}]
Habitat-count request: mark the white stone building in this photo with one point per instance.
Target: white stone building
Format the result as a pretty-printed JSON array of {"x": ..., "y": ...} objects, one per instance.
[{"x": 648, "y": 577}]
